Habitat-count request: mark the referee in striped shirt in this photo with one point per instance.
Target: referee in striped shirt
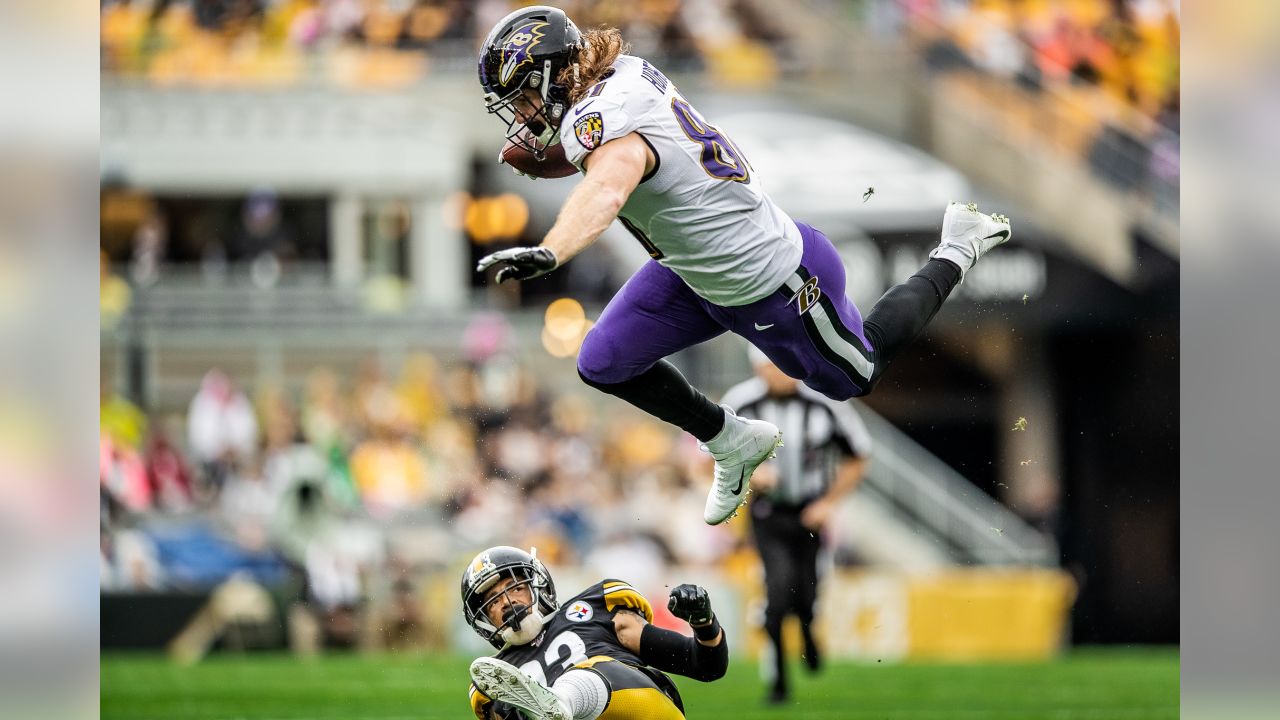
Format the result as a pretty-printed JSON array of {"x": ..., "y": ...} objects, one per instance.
[{"x": 822, "y": 461}]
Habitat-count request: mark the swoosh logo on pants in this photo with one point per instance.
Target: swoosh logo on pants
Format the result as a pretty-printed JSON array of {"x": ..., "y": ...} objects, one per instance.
[
  {"x": 741, "y": 474},
  {"x": 763, "y": 327}
]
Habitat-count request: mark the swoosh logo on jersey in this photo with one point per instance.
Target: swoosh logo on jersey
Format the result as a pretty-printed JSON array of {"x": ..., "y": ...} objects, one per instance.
[
  {"x": 582, "y": 107},
  {"x": 1002, "y": 234},
  {"x": 741, "y": 474},
  {"x": 763, "y": 327}
]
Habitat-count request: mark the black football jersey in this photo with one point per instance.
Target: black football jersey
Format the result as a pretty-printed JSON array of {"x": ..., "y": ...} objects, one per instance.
[{"x": 581, "y": 628}]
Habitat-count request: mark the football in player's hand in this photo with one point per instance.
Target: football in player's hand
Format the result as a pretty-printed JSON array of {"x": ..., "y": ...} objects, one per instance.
[{"x": 552, "y": 165}]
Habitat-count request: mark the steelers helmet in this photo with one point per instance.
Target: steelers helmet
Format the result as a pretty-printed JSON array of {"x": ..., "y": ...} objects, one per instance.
[
  {"x": 528, "y": 49},
  {"x": 484, "y": 572}
]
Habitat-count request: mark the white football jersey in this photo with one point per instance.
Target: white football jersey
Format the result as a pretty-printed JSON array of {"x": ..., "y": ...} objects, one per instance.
[{"x": 701, "y": 211}]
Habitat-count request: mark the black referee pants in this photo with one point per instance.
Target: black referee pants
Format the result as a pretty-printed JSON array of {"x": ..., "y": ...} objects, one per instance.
[{"x": 789, "y": 552}]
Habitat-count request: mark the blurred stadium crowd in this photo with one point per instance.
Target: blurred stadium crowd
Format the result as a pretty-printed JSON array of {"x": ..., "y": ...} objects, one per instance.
[
  {"x": 1098, "y": 77},
  {"x": 394, "y": 42},
  {"x": 353, "y": 489}
]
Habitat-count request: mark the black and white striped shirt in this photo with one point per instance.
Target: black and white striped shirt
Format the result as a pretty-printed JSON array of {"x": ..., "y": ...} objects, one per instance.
[{"x": 817, "y": 433}]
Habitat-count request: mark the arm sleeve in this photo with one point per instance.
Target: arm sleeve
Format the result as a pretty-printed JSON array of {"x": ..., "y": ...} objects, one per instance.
[{"x": 670, "y": 651}]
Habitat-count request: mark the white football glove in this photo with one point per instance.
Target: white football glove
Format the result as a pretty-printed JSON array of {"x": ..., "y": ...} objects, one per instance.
[{"x": 514, "y": 169}]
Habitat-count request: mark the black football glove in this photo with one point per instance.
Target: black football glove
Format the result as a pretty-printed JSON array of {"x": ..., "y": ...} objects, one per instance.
[
  {"x": 519, "y": 263},
  {"x": 691, "y": 604}
]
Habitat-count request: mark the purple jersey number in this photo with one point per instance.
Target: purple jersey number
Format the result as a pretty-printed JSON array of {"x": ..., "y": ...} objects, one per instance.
[{"x": 720, "y": 157}]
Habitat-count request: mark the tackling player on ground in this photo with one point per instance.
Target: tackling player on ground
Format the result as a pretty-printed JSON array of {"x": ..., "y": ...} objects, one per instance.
[
  {"x": 725, "y": 257},
  {"x": 595, "y": 656}
]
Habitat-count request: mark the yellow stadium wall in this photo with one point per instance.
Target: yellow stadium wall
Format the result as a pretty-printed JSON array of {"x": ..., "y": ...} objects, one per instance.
[{"x": 955, "y": 615}]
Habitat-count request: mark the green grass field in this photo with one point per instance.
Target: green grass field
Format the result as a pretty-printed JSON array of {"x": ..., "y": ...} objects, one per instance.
[{"x": 1095, "y": 684}]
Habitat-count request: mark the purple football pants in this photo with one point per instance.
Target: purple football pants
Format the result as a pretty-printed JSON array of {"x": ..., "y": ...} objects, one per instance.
[{"x": 808, "y": 328}]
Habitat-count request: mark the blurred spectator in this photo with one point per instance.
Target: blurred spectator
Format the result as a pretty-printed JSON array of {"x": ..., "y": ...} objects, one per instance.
[
  {"x": 123, "y": 475},
  {"x": 222, "y": 431},
  {"x": 150, "y": 243},
  {"x": 419, "y": 393},
  {"x": 325, "y": 412},
  {"x": 388, "y": 470},
  {"x": 114, "y": 295},
  {"x": 128, "y": 562},
  {"x": 119, "y": 419},
  {"x": 262, "y": 230},
  {"x": 372, "y": 395},
  {"x": 171, "y": 481},
  {"x": 403, "y": 623},
  {"x": 249, "y": 505},
  {"x": 262, "y": 239}
]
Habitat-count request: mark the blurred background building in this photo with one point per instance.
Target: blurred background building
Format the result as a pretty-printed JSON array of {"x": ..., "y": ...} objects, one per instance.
[{"x": 307, "y": 391}]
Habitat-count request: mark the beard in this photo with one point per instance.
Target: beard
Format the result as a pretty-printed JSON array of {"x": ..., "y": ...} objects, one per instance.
[{"x": 526, "y": 630}]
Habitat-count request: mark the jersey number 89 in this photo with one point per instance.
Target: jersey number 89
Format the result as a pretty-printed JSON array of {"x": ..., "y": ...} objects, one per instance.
[{"x": 720, "y": 157}]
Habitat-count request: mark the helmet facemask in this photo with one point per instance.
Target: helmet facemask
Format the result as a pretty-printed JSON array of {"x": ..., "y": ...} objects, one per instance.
[
  {"x": 544, "y": 126},
  {"x": 521, "y": 623}
]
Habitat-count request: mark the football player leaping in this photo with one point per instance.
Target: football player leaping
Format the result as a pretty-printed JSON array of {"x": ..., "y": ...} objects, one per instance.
[
  {"x": 595, "y": 656},
  {"x": 725, "y": 257}
]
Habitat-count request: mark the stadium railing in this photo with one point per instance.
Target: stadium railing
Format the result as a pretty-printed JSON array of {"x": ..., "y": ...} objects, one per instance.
[{"x": 943, "y": 509}]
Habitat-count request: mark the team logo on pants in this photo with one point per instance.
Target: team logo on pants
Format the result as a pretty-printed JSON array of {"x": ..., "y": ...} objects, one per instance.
[{"x": 807, "y": 295}]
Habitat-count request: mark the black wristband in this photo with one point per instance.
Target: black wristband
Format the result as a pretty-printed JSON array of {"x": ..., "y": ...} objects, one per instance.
[{"x": 707, "y": 633}]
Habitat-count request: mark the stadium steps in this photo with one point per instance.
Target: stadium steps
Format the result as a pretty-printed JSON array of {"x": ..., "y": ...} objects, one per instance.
[{"x": 916, "y": 513}]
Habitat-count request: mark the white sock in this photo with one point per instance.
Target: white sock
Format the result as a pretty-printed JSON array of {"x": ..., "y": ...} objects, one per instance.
[
  {"x": 726, "y": 432},
  {"x": 960, "y": 255},
  {"x": 584, "y": 692}
]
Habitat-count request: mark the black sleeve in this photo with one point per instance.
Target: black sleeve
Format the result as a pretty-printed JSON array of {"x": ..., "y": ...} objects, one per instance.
[{"x": 670, "y": 651}]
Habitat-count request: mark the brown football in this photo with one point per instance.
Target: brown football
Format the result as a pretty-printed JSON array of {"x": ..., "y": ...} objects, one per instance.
[{"x": 552, "y": 165}]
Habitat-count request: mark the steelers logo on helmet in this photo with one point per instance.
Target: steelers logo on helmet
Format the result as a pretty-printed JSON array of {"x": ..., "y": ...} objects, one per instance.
[
  {"x": 481, "y": 566},
  {"x": 578, "y": 612}
]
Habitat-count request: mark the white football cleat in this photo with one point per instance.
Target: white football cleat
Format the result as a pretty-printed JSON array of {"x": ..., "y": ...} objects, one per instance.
[
  {"x": 968, "y": 234},
  {"x": 503, "y": 682},
  {"x": 739, "y": 449}
]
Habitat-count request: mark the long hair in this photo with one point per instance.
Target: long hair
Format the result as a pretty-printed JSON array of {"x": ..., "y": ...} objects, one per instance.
[{"x": 600, "y": 47}]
